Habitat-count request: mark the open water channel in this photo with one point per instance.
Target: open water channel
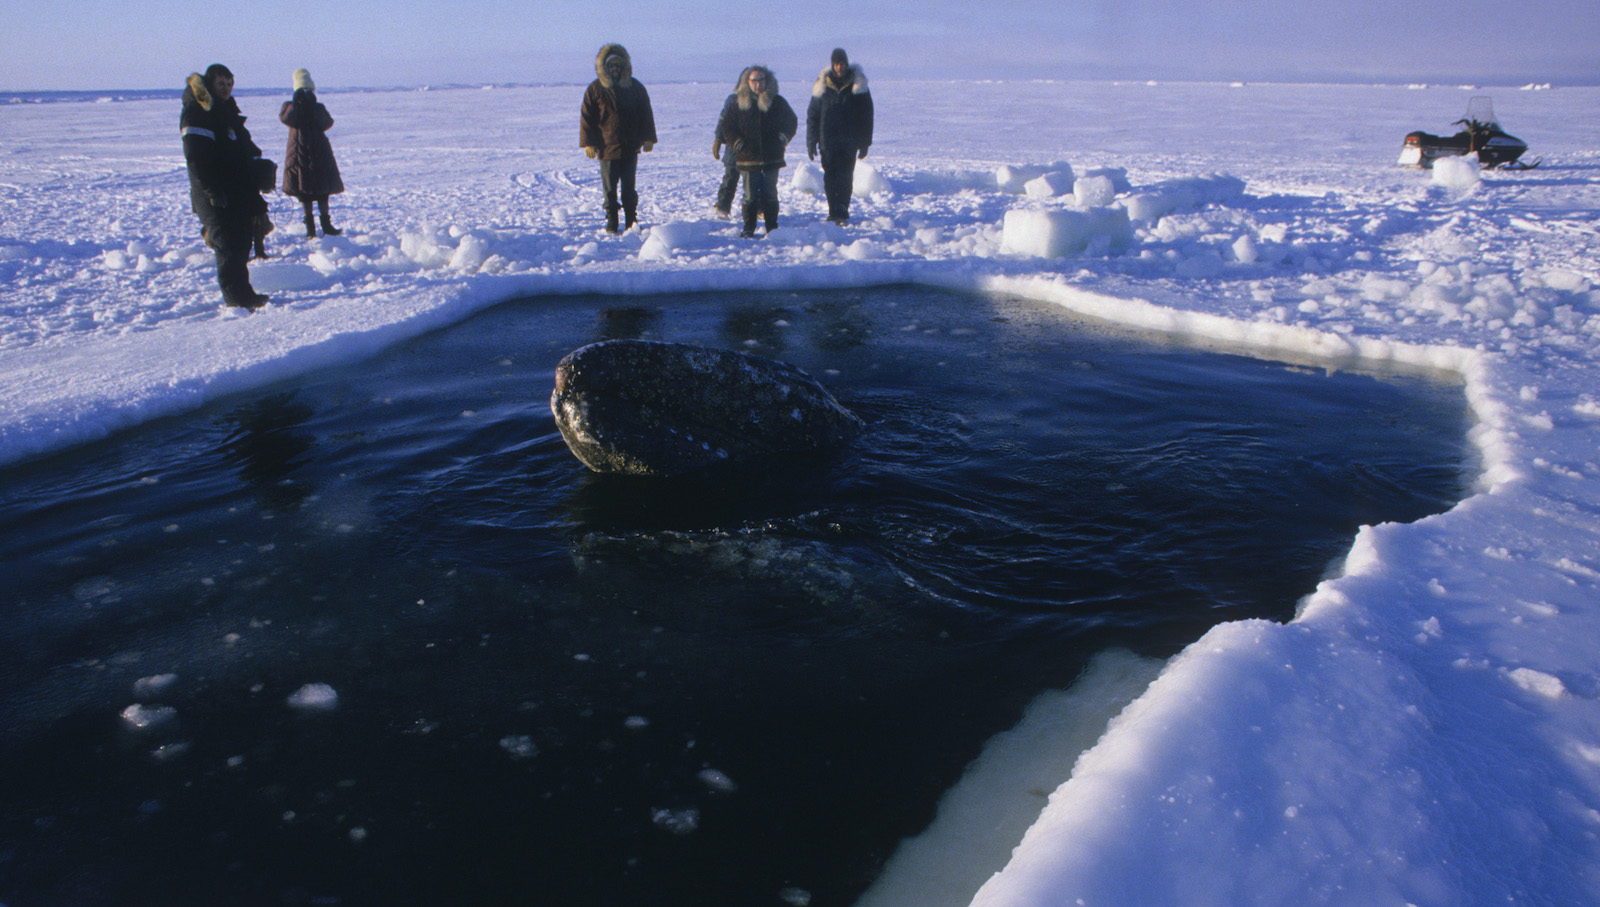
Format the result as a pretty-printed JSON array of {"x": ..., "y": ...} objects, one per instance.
[{"x": 374, "y": 636}]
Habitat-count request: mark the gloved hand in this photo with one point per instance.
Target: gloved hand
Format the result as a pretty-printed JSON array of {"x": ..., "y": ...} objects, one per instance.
[
  {"x": 811, "y": 152},
  {"x": 590, "y": 151},
  {"x": 649, "y": 146},
  {"x": 217, "y": 199},
  {"x": 861, "y": 155},
  {"x": 716, "y": 149}
]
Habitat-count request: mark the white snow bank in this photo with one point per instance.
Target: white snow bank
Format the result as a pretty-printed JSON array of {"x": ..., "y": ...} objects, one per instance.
[
  {"x": 1117, "y": 175},
  {"x": 1014, "y": 178},
  {"x": 866, "y": 180},
  {"x": 807, "y": 178},
  {"x": 1049, "y": 185},
  {"x": 663, "y": 241},
  {"x": 1093, "y": 191},
  {"x": 1161, "y": 199},
  {"x": 1457, "y": 172},
  {"x": 1058, "y": 233}
]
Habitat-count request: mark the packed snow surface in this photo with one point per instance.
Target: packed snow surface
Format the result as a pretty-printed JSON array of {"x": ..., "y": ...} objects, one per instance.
[{"x": 1425, "y": 731}]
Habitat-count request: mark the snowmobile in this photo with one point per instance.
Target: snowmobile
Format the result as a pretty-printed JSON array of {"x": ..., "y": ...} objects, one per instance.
[{"x": 1480, "y": 134}]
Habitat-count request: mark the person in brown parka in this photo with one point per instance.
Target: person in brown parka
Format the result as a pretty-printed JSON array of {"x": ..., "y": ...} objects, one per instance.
[
  {"x": 310, "y": 172},
  {"x": 615, "y": 123}
]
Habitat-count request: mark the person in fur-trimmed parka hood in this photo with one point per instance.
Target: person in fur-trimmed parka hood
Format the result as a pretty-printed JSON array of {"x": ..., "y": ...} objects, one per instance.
[
  {"x": 615, "y": 123},
  {"x": 757, "y": 124},
  {"x": 223, "y": 189},
  {"x": 839, "y": 125}
]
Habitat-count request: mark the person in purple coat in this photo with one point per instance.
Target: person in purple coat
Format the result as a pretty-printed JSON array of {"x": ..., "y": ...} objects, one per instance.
[{"x": 310, "y": 172}]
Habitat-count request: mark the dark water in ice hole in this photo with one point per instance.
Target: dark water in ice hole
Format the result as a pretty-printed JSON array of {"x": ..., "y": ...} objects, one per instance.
[{"x": 535, "y": 666}]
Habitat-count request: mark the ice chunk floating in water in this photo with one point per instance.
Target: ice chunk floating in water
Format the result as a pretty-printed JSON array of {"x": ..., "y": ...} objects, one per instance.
[{"x": 314, "y": 697}]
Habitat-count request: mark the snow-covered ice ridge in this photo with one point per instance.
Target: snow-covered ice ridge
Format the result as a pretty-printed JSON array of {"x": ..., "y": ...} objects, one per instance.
[{"x": 1426, "y": 731}]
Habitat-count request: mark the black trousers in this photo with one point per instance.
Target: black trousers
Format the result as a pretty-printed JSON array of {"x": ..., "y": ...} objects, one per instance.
[
  {"x": 730, "y": 182},
  {"x": 233, "y": 239},
  {"x": 618, "y": 176},
  {"x": 761, "y": 197},
  {"x": 838, "y": 178}
]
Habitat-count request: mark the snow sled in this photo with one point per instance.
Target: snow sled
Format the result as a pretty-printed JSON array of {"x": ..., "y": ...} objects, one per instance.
[{"x": 1480, "y": 134}]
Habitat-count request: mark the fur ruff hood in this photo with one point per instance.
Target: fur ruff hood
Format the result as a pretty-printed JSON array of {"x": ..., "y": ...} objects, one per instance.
[
  {"x": 748, "y": 97},
  {"x": 606, "y": 53},
  {"x": 196, "y": 89},
  {"x": 855, "y": 78}
]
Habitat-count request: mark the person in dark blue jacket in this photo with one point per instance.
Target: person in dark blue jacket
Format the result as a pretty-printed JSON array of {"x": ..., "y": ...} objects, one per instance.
[
  {"x": 730, "y": 171},
  {"x": 839, "y": 127},
  {"x": 224, "y": 180}
]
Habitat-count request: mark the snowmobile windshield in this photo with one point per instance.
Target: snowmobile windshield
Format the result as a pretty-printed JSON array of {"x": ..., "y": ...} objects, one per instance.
[{"x": 1481, "y": 110}]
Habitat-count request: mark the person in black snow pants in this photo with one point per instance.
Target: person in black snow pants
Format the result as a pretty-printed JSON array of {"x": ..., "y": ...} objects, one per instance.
[
  {"x": 615, "y": 123},
  {"x": 839, "y": 126},
  {"x": 757, "y": 124},
  {"x": 310, "y": 172},
  {"x": 223, "y": 188},
  {"x": 730, "y": 171}
]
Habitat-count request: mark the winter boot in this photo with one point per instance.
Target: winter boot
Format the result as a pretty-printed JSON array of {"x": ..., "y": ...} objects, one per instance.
[
  {"x": 311, "y": 227},
  {"x": 328, "y": 229},
  {"x": 611, "y": 221},
  {"x": 631, "y": 217},
  {"x": 244, "y": 299}
]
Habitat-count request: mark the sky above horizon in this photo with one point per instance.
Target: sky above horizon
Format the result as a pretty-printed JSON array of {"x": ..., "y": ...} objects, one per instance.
[{"x": 141, "y": 44}]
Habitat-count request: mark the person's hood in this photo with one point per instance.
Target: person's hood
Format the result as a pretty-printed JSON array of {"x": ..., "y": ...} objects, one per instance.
[
  {"x": 748, "y": 97},
  {"x": 606, "y": 53},
  {"x": 854, "y": 77},
  {"x": 195, "y": 92}
]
